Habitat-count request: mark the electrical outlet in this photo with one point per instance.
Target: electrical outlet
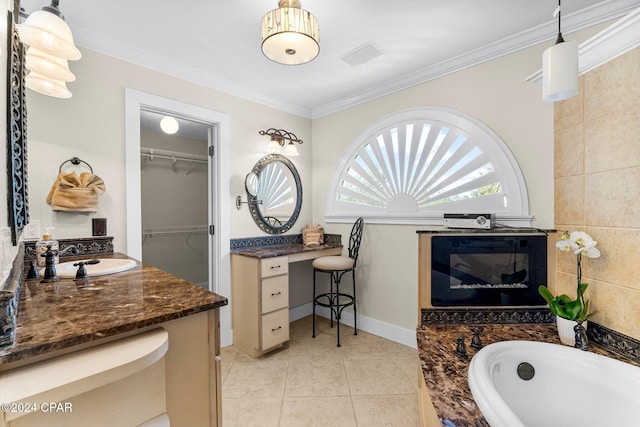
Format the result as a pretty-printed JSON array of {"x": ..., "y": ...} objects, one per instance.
[{"x": 32, "y": 230}]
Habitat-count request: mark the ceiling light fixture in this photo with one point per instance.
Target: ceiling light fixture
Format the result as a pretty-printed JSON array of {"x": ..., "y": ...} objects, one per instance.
[
  {"x": 560, "y": 68},
  {"x": 169, "y": 125},
  {"x": 50, "y": 47},
  {"x": 290, "y": 35},
  {"x": 280, "y": 137}
]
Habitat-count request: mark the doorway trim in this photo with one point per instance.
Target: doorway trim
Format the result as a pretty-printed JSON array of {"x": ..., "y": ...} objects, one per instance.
[{"x": 219, "y": 214}]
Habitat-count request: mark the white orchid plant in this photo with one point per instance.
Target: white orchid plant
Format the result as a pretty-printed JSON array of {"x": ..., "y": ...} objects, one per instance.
[{"x": 580, "y": 243}]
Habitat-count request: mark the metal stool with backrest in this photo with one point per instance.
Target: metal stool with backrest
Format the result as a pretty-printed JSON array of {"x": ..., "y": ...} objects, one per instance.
[{"x": 336, "y": 267}]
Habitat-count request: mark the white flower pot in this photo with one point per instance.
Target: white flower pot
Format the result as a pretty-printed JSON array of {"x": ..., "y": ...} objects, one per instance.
[{"x": 565, "y": 330}]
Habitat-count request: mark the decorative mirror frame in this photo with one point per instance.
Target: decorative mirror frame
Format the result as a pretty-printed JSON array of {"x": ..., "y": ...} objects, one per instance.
[
  {"x": 254, "y": 202},
  {"x": 17, "y": 191}
]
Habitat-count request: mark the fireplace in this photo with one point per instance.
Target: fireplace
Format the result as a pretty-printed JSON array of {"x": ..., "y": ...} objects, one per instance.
[{"x": 483, "y": 269}]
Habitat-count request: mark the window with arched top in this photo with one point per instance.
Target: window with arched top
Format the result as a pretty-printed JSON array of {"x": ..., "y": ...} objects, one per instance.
[{"x": 414, "y": 166}]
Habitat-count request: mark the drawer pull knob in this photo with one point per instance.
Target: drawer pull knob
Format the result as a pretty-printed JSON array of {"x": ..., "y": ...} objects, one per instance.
[
  {"x": 275, "y": 266},
  {"x": 275, "y": 294},
  {"x": 276, "y": 329}
]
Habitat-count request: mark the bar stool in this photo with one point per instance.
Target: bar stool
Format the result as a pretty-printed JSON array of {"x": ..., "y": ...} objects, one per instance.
[{"x": 336, "y": 267}]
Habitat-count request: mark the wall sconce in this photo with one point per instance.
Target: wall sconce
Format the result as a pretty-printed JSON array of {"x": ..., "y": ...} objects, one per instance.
[
  {"x": 560, "y": 68},
  {"x": 50, "y": 47},
  {"x": 280, "y": 138}
]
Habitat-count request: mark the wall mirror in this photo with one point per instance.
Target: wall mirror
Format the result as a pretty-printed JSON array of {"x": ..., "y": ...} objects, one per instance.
[
  {"x": 277, "y": 201},
  {"x": 16, "y": 131}
]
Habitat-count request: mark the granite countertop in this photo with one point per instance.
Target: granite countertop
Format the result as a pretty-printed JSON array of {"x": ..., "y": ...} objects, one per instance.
[
  {"x": 445, "y": 373},
  {"x": 56, "y": 316},
  {"x": 270, "y": 251}
]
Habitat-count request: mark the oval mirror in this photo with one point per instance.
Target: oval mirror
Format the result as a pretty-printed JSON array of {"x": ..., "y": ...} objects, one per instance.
[
  {"x": 251, "y": 184},
  {"x": 276, "y": 205}
]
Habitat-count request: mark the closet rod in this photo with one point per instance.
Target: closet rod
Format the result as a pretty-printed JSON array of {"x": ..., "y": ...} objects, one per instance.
[
  {"x": 172, "y": 155},
  {"x": 149, "y": 231}
]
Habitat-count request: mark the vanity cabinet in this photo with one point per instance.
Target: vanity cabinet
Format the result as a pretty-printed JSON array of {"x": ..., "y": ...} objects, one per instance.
[{"x": 260, "y": 303}]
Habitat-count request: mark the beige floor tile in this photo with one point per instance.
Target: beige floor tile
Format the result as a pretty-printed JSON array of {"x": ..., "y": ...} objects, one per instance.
[
  {"x": 247, "y": 412},
  {"x": 311, "y": 382},
  {"x": 395, "y": 410},
  {"x": 377, "y": 376},
  {"x": 317, "y": 412},
  {"x": 316, "y": 378},
  {"x": 250, "y": 379}
]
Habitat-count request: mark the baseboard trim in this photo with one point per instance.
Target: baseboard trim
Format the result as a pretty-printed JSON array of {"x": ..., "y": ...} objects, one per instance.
[{"x": 376, "y": 327}]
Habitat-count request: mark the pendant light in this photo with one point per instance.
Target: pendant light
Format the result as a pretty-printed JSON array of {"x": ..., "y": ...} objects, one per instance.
[
  {"x": 50, "y": 47},
  {"x": 290, "y": 35},
  {"x": 560, "y": 67}
]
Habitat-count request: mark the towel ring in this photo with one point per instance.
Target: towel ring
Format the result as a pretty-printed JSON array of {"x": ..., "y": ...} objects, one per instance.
[{"x": 75, "y": 161}]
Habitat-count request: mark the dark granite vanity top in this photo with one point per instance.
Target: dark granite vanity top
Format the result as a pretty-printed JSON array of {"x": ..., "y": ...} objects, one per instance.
[
  {"x": 445, "y": 373},
  {"x": 56, "y": 316},
  {"x": 280, "y": 245},
  {"x": 280, "y": 250}
]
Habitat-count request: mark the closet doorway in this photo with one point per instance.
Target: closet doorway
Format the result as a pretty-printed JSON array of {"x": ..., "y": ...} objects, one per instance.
[
  {"x": 174, "y": 194},
  {"x": 218, "y": 204}
]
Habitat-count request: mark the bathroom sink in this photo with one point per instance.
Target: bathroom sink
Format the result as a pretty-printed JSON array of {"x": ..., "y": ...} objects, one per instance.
[
  {"x": 66, "y": 270},
  {"x": 568, "y": 387}
]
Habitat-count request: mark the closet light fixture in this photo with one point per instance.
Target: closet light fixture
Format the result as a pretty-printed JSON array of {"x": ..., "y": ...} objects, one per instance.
[
  {"x": 50, "y": 47},
  {"x": 290, "y": 34},
  {"x": 169, "y": 125},
  {"x": 281, "y": 138},
  {"x": 560, "y": 67}
]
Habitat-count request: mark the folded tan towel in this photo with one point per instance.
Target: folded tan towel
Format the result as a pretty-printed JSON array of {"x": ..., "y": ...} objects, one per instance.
[{"x": 73, "y": 193}]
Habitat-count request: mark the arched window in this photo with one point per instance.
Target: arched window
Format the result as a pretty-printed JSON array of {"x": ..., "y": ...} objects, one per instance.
[{"x": 414, "y": 166}]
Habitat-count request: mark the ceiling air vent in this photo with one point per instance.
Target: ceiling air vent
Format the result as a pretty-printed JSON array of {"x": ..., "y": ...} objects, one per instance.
[{"x": 361, "y": 54}]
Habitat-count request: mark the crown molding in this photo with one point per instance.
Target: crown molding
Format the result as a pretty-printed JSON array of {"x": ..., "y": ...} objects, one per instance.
[
  {"x": 608, "y": 44},
  {"x": 597, "y": 14},
  {"x": 586, "y": 18}
]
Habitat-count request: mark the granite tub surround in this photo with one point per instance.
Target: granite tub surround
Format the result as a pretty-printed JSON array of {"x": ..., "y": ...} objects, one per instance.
[
  {"x": 281, "y": 245},
  {"x": 56, "y": 317},
  {"x": 445, "y": 373}
]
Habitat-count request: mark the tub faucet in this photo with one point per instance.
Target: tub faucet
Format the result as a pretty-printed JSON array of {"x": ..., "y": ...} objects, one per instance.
[{"x": 581, "y": 337}]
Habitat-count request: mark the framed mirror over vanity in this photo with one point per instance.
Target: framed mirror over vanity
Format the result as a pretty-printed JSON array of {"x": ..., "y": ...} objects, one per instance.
[
  {"x": 274, "y": 193},
  {"x": 16, "y": 127}
]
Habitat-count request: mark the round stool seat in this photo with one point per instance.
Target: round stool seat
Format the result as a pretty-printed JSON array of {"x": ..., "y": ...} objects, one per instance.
[{"x": 333, "y": 263}]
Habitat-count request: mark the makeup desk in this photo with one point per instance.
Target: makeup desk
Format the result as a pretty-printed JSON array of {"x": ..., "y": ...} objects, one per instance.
[{"x": 260, "y": 291}]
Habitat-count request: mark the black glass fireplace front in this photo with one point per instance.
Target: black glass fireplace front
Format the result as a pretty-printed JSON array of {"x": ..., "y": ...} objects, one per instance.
[{"x": 488, "y": 270}]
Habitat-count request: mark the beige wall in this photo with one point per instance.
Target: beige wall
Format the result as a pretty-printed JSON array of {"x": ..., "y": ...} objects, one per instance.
[
  {"x": 597, "y": 188},
  {"x": 90, "y": 125},
  {"x": 494, "y": 93}
]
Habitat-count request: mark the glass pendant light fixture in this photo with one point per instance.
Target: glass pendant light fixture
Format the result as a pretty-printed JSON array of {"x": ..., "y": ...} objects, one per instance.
[
  {"x": 50, "y": 47},
  {"x": 290, "y": 35},
  {"x": 560, "y": 68}
]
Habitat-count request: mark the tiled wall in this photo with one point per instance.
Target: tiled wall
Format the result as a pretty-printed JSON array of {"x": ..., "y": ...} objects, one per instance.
[{"x": 597, "y": 188}]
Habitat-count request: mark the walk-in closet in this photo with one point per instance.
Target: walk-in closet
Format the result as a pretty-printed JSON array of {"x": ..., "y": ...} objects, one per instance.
[{"x": 174, "y": 197}]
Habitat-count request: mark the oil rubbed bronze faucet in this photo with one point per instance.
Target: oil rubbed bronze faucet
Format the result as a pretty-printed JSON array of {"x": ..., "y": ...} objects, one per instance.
[
  {"x": 581, "y": 337},
  {"x": 50, "y": 266},
  {"x": 82, "y": 271}
]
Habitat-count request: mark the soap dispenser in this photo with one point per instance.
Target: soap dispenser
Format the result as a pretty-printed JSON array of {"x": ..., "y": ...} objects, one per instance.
[{"x": 41, "y": 247}]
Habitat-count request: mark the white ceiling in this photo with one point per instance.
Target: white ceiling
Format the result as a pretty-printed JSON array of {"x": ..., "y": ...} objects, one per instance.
[{"x": 217, "y": 43}]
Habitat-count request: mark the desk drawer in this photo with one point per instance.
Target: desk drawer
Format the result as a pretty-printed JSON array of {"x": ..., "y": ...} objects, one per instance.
[
  {"x": 275, "y": 293},
  {"x": 275, "y": 266},
  {"x": 275, "y": 328}
]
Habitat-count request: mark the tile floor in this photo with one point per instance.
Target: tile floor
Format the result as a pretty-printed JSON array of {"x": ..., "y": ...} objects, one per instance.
[{"x": 369, "y": 381}]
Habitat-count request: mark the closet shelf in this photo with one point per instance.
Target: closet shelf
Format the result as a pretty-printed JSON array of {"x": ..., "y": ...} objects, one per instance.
[
  {"x": 178, "y": 229},
  {"x": 153, "y": 153}
]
